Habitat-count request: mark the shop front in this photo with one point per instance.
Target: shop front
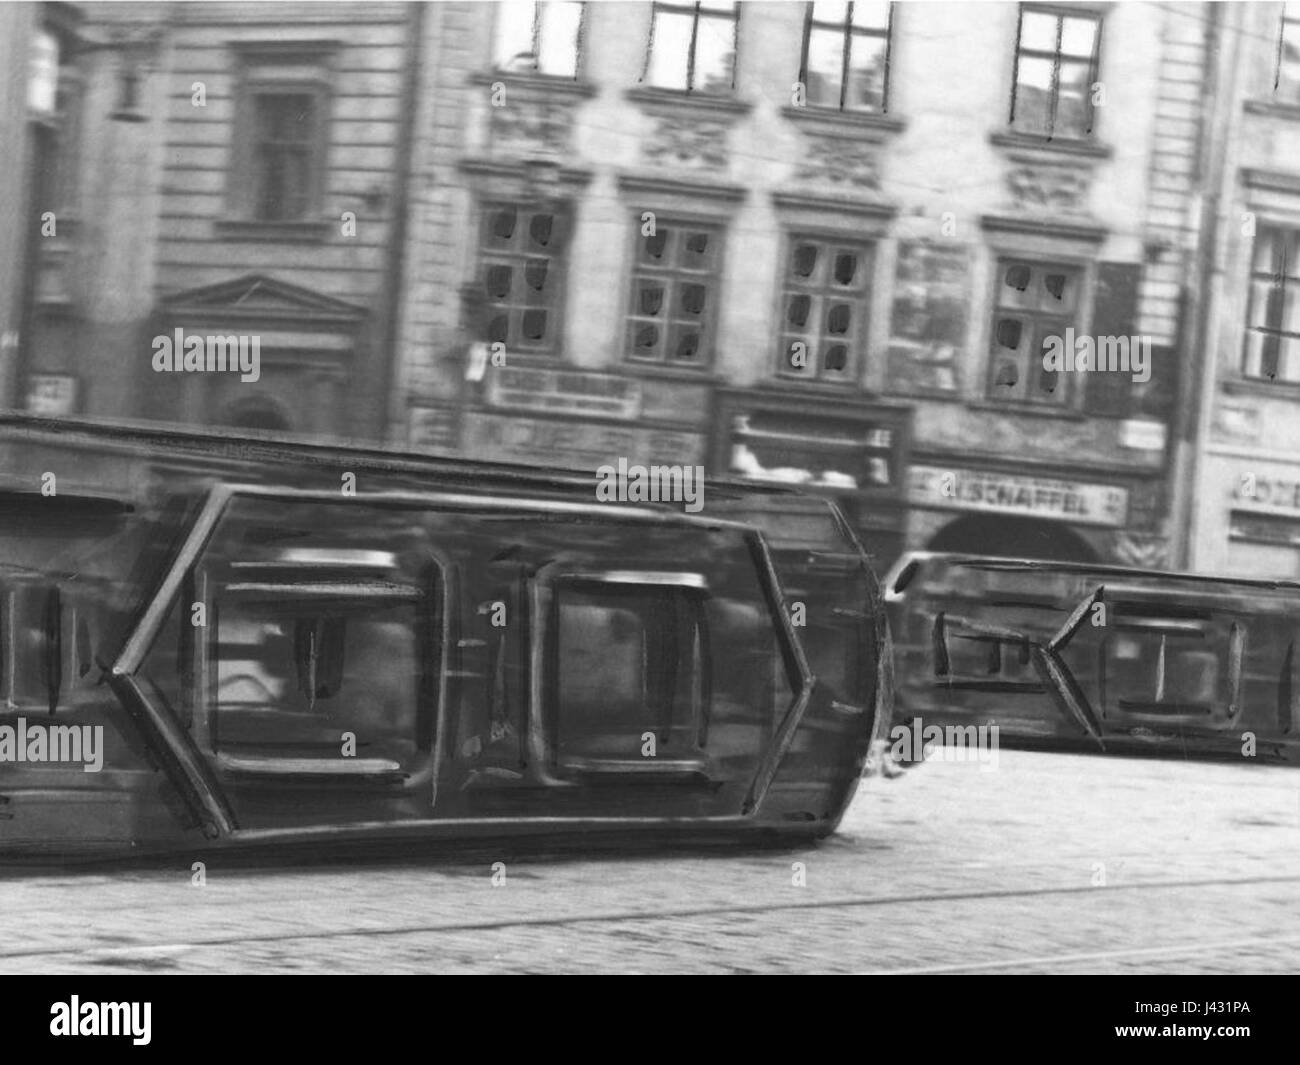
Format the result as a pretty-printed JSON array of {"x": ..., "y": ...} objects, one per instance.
[
  {"x": 580, "y": 420},
  {"x": 1248, "y": 520},
  {"x": 849, "y": 449},
  {"x": 1009, "y": 512}
]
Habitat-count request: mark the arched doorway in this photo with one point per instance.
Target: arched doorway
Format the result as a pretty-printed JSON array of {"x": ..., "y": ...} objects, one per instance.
[
  {"x": 1011, "y": 537},
  {"x": 260, "y": 413}
]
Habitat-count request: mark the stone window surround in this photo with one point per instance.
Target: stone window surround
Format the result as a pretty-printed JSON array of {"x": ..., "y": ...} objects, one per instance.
[
  {"x": 302, "y": 65},
  {"x": 680, "y": 200}
]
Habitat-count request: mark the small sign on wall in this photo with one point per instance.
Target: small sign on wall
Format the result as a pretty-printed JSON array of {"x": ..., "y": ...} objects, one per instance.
[{"x": 51, "y": 393}]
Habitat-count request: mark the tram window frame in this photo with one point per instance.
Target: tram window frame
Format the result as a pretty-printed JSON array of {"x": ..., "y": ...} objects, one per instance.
[
  {"x": 687, "y": 599},
  {"x": 353, "y": 570}
]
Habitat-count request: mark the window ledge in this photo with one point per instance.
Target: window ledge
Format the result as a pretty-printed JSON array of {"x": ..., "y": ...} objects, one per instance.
[
  {"x": 1052, "y": 226},
  {"x": 1253, "y": 386},
  {"x": 536, "y": 85},
  {"x": 715, "y": 104},
  {"x": 852, "y": 207},
  {"x": 1044, "y": 146},
  {"x": 874, "y": 124},
  {"x": 309, "y": 232},
  {"x": 1273, "y": 108},
  {"x": 813, "y": 386},
  {"x": 692, "y": 191},
  {"x": 1271, "y": 180},
  {"x": 1040, "y": 410},
  {"x": 931, "y": 395},
  {"x": 665, "y": 371}
]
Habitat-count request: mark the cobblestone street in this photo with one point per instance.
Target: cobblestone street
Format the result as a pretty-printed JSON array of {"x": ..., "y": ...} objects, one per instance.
[{"x": 1051, "y": 863}]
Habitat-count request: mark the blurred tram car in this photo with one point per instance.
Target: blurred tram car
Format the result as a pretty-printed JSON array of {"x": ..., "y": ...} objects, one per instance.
[
  {"x": 1098, "y": 657},
  {"x": 255, "y": 652}
]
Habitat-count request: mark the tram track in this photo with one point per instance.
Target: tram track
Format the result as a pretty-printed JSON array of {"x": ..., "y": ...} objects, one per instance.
[{"x": 105, "y": 954}]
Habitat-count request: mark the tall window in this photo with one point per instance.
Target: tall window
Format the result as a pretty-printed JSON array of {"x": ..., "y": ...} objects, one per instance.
[
  {"x": 541, "y": 38},
  {"x": 846, "y": 54},
  {"x": 522, "y": 270},
  {"x": 281, "y": 130},
  {"x": 823, "y": 307},
  {"x": 1033, "y": 301},
  {"x": 1286, "y": 78},
  {"x": 674, "y": 293},
  {"x": 1056, "y": 67},
  {"x": 693, "y": 46},
  {"x": 285, "y": 154},
  {"x": 1273, "y": 320}
]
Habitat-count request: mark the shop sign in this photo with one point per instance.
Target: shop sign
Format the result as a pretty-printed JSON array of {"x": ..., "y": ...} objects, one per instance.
[{"x": 1004, "y": 493}]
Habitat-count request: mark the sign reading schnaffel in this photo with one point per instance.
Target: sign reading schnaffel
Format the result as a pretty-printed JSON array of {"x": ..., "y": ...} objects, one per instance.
[
  {"x": 1004, "y": 493},
  {"x": 564, "y": 391}
]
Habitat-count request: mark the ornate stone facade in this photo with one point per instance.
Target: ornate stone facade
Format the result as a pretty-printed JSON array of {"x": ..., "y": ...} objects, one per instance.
[
  {"x": 847, "y": 163},
  {"x": 684, "y": 140}
]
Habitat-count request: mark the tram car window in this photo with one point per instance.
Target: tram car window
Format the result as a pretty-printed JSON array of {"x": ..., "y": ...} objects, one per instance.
[{"x": 630, "y": 672}]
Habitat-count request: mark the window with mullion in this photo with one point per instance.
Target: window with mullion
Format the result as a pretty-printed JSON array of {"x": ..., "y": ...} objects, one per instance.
[
  {"x": 1057, "y": 54},
  {"x": 540, "y": 36},
  {"x": 1273, "y": 320},
  {"x": 522, "y": 272},
  {"x": 1033, "y": 301},
  {"x": 845, "y": 62},
  {"x": 1286, "y": 77},
  {"x": 823, "y": 307},
  {"x": 674, "y": 294},
  {"x": 285, "y": 149},
  {"x": 693, "y": 46}
]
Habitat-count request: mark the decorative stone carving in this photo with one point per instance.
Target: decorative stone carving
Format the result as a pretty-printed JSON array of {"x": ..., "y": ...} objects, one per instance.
[
  {"x": 1038, "y": 187},
  {"x": 845, "y": 162},
  {"x": 680, "y": 140},
  {"x": 532, "y": 127}
]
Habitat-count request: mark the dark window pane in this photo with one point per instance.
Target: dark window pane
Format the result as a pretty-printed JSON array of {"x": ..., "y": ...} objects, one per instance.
[
  {"x": 647, "y": 337},
  {"x": 499, "y": 329},
  {"x": 650, "y": 299},
  {"x": 797, "y": 349},
  {"x": 837, "y": 319},
  {"x": 503, "y": 224},
  {"x": 1008, "y": 333},
  {"x": 534, "y": 324},
  {"x": 1017, "y": 277},
  {"x": 653, "y": 245},
  {"x": 846, "y": 267},
  {"x": 805, "y": 260},
  {"x": 693, "y": 298},
  {"x": 540, "y": 229},
  {"x": 697, "y": 248},
  {"x": 837, "y": 358},
  {"x": 686, "y": 343},
  {"x": 498, "y": 282},
  {"x": 798, "y": 312},
  {"x": 535, "y": 273}
]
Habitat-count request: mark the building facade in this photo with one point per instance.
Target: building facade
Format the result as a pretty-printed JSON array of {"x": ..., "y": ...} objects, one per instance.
[
  {"x": 818, "y": 244},
  {"x": 234, "y": 171},
  {"x": 1245, "y": 515}
]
